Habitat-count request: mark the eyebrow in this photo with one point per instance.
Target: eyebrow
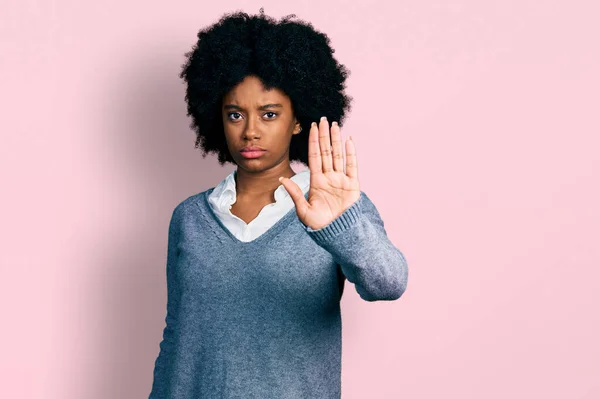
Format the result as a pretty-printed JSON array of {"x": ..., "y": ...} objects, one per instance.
[{"x": 263, "y": 107}]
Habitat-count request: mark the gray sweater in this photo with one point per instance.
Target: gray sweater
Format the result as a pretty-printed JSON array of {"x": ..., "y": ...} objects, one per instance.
[{"x": 261, "y": 319}]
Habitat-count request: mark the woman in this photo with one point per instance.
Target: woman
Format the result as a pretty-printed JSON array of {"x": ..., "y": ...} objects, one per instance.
[{"x": 256, "y": 265}]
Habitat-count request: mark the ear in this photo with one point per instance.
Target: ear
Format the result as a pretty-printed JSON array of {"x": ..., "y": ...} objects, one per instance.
[{"x": 297, "y": 128}]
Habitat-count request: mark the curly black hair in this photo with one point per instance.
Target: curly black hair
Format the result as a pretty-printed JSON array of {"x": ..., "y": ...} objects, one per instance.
[{"x": 289, "y": 55}]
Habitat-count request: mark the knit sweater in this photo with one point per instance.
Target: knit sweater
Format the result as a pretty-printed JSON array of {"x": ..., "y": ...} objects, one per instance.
[{"x": 261, "y": 319}]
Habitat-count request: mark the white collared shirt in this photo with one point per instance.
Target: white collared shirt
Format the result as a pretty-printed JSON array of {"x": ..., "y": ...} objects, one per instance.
[{"x": 224, "y": 196}]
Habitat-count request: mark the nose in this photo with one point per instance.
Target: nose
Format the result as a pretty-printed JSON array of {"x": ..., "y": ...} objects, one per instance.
[{"x": 251, "y": 130}]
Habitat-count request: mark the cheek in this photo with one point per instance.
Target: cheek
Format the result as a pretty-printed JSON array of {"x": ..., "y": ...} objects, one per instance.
[{"x": 228, "y": 134}]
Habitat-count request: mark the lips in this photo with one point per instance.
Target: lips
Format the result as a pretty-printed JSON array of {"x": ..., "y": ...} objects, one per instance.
[
  {"x": 252, "y": 152},
  {"x": 252, "y": 148}
]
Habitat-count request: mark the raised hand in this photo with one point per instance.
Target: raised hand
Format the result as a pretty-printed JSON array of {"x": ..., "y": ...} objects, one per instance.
[{"x": 332, "y": 190}]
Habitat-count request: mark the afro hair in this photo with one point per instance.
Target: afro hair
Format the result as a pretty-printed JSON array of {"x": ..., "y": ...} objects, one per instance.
[{"x": 289, "y": 55}]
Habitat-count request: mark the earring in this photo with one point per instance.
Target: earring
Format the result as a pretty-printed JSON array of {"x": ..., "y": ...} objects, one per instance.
[{"x": 300, "y": 129}]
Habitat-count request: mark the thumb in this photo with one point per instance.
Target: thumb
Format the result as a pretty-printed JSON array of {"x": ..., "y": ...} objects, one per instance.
[{"x": 296, "y": 193}]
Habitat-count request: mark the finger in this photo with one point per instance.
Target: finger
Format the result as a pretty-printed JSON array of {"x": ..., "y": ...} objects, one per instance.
[
  {"x": 314, "y": 154},
  {"x": 351, "y": 163},
  {"x": 295, "y": 193},
  {"x": 336, "y": 147},
  {"x": 325, "y": 145}
]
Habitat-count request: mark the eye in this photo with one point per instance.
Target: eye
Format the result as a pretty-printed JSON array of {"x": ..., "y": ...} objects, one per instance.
[
  {"x": 233, "y": 113},
  {"x": 271, "y": 113}
]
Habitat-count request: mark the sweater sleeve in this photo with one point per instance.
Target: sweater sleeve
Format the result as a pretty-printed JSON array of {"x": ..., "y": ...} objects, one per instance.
[
  {"x": 359, "y": 243},
  {"x": 162, "y": 365}
]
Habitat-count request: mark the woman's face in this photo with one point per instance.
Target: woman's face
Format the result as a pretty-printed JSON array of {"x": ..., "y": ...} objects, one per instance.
[{"x": 253, "y": 116}]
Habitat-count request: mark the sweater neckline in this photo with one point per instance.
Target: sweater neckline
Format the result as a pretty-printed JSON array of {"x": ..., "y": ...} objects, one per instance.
[{"x": 268, "y": 234}]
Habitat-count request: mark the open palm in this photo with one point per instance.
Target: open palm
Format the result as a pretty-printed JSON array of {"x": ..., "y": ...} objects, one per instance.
[{"x": 332, "y": 190}]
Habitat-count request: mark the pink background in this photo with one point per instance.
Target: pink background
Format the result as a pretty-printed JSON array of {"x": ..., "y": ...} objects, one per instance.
[{"x": 477, "y": 131}]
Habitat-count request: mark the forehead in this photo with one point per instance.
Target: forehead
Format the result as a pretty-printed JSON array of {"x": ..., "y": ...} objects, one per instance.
[{"x": 251, "y": 92}]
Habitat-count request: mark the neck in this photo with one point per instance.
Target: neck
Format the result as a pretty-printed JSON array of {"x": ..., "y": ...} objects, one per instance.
[{"x": 261, "y": 184}]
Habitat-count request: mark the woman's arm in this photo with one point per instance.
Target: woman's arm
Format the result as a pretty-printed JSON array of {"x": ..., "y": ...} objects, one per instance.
[
  {"x": 359, "y": 244},
  {"x": 162, "y": 366}
]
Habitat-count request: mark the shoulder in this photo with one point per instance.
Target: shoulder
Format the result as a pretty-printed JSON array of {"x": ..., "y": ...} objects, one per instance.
[{"x": 190, "y": 202}]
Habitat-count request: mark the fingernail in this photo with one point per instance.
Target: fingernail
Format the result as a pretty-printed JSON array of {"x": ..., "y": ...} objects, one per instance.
[
  {"x": 334, "y": 123},
  {"x": 313, "y": 124},
  {"x": 323, "y": 118},
  {"x": 280, "y": 179}
]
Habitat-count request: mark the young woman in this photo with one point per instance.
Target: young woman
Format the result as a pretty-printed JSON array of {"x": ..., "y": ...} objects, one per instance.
[{"x": 256, "y": 265}]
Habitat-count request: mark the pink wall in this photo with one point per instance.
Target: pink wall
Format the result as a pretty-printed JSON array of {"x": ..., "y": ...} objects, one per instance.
[{"x": 477, "y": 130}]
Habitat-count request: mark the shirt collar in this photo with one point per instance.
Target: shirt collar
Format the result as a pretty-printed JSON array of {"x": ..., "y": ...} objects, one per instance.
[{"x": 226, "y": 190}]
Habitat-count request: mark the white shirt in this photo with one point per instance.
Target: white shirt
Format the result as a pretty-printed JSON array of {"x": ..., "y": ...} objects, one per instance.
[{"x": 224, "y": 196}]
